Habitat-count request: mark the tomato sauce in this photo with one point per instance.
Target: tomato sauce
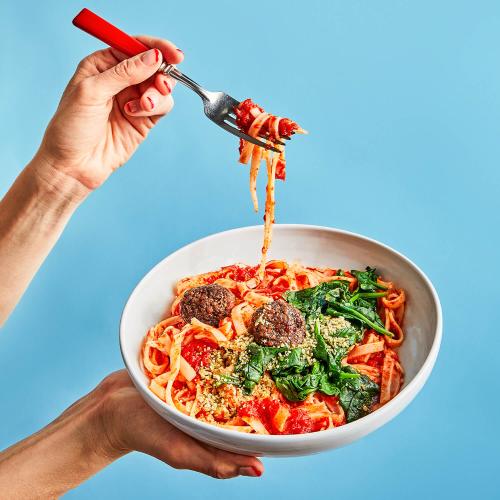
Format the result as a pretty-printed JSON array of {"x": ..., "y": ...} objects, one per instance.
[
  {"x": 280, "y": 170},
  {"x": 376, "y": 359},
  {"x": 211, "y": 279},
  {"x": 298, "y": 422},
  {"x": 159, "y": 357},
  {"x": 276, "y": 292},
  {"x": 197, "y": 352},
  {"x": 245, "y": 115},
  {"x": 244, "y": 273}
]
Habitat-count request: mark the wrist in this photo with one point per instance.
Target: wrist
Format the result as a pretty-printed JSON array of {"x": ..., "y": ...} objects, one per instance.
[
  {"x": 103, "y": 438},
  {"x": 54, "y": 184},
  {"x": 108, "y": 419},
  {"x": 33, "y": 214}
]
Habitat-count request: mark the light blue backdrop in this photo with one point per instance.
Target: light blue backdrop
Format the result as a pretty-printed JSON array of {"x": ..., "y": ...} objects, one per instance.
[{"x": 402, "y": 100}]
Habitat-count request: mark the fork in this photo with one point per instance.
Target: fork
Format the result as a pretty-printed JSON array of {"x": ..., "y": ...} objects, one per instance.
[{"x": 218, "y": 106}]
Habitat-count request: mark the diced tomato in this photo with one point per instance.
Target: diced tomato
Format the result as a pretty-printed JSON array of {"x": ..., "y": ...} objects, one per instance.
[
  {"x": 261, "y": 409},
  {"x": 197, "y": 352},
  {"x": 287, "y": 127},
  {"x": 244, "y": 273},
  {"x": 331, "y": 401},
  {"x": 254, "y": 408},
  {"x": 376, "y": 359},
  {"x": 299, "y": 422},
  {"x": 272, "y": 407},
  {"x": 179, "y": 384},
  {"x": 280, "y": 170},
  {"x": 244, "y": 116}
]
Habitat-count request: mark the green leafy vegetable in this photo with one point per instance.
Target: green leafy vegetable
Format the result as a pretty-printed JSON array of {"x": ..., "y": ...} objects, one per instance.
[
  {"x": 336, "y": 299},
  {"x": 367, "y": 295},
  {"x": 333, "y": 350},
  {"x": 324, "y": 375},
  {"x": 291, "y": 361},
  {"x": 311, "y": 301},
  {"x": 259, "y": 359},
  {"x": 322, "y": 353},
  {"x": 367, "y": 280},
  {"x": 339, "y": 303},
  {"x": 357, "y": 394},
  {"x": 296, "y": 387},
  {"x": 366, "y": 316}
]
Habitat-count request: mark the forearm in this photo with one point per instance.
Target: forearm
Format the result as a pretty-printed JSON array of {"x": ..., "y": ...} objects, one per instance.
[
  {"x": 59, "y": 457},
  {"x": 32, "y": 216}
]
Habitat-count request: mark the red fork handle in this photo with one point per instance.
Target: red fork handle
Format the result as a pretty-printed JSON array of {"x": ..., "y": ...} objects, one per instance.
[{"x": 98, "y": 27}]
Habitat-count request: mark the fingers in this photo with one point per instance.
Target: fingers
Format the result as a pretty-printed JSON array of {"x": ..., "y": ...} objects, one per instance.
[
  {"x": 152, "y": 103},
  {"x": 164, "y": 84},
  {"x": 130, "y": 424},
  {"x": 106, "y": 59},
  {"x": 128, "y": 72},
  {"x": 171, "y": 53},
  {"x": 226, "y": 465},
  {"x": 155, "y": 98},
  {"x": 181, "y": 451},
  {"x": 193, "y": 455}
]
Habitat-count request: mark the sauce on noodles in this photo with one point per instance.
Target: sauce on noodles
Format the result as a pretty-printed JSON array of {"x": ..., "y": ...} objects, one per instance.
[
  {"x": 346, "y": 367},
  {"x": 254, "y": 121}
]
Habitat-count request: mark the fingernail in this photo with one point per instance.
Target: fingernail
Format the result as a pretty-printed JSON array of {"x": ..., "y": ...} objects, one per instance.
[
  {"x": 150, "y": 57},
  {"x": 151, "y": 102},
  {"x": 249, "y": 471},
  {"x": 167, "y": 86},
  {"x": 132, "y": 107}
]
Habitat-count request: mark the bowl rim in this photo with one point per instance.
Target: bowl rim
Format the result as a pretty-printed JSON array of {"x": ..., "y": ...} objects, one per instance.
[{"x": 392, "y": 408}]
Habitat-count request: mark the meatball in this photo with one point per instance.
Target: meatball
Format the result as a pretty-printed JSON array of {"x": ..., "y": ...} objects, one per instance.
[
  {"x": 207, "y": 303},
  {"x": 278, "y": 324}
]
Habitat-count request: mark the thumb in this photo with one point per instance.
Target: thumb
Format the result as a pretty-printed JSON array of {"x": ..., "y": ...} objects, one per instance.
[{"x": 129, "y": 72}]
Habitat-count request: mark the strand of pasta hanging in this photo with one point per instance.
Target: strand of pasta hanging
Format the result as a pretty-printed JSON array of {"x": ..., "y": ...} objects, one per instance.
[{"x": 254, "y": 121}]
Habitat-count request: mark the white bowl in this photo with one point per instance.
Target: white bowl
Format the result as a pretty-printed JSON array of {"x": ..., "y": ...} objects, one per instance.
[{"x": 313, "y": 246}]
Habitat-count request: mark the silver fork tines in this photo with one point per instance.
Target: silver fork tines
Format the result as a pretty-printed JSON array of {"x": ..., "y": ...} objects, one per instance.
[{"x": 218, "y": 106}]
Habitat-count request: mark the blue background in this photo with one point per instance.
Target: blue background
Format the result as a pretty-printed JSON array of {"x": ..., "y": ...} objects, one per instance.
[{"x": 402, "y": 100}]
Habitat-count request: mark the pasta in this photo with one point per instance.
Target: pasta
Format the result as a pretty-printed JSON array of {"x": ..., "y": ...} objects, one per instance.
[
  {"x": 345, "y": 365},
  {"x": 254, "y": 121}
]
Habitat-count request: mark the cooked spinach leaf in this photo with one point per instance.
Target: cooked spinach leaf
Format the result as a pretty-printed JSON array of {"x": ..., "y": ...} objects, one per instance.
[
  {"x": 357, "y": 394},
  {"x": 336, "y": 299},
  {"x": 339, "y": 303},
  {"x": 296, "y": 387},
  {"x": 367, "y": 280},
  {"x": 311, "y": 301},
  {"x": 320, "y": 351},
  {"x": 292, "y": 361},
  {"x": 333, "y": 350},
  {"x": 259, "y": 358},
  {"x": 365, "y": 316},
  {"x": 324, "y": 375}
]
